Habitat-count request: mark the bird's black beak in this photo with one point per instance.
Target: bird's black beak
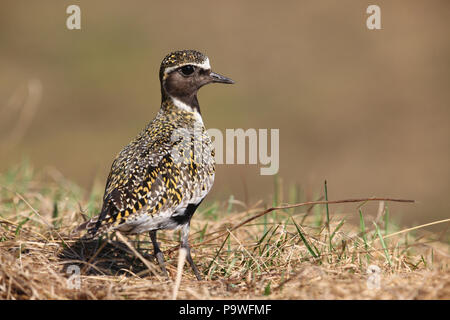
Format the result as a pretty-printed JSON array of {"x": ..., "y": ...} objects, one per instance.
[{"x": 217, "y": 78}]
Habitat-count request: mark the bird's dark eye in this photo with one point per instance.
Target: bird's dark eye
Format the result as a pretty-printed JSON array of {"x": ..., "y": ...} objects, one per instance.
[{"x": 187, "y": 70}]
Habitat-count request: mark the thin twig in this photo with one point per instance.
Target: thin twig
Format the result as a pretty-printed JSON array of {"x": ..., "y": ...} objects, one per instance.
[
  {"x": 417, "y": 227},
  {"x": 293, "y": 206}
]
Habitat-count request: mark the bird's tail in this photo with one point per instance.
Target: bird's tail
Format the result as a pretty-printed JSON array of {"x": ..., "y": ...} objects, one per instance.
[{"x": 89, "y": 226}]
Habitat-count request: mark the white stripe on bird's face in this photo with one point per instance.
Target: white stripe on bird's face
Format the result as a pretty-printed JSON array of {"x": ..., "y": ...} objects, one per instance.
[{"x": 204, "y": 65}]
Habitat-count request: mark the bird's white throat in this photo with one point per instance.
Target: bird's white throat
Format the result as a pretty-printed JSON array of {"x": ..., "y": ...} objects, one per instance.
[{"x": 183, "y": 106}]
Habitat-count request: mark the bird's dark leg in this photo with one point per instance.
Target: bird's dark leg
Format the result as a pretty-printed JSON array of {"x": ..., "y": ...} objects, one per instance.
[
  {"x": 185, "y": 245},
  {"x": 158, "y": 254}
]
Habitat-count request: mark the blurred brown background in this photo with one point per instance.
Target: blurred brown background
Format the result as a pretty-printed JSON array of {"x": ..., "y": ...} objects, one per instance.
[{"x": 366, "y": 110}]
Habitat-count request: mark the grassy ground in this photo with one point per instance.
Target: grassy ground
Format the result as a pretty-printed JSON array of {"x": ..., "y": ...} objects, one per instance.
[{"x": 300, "y": 253}]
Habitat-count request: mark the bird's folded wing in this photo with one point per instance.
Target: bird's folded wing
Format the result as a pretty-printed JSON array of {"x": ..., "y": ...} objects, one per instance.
[{"x": 160, "y": 188}]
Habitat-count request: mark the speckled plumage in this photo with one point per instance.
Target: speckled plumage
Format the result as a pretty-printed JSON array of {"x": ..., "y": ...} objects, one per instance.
[
  {"x": 168, "y": 166},
  {"x": 160, "y": 178}
]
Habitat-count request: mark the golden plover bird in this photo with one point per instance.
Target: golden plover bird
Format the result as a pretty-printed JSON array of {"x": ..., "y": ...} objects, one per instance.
[{"x": 159, "y": 179}]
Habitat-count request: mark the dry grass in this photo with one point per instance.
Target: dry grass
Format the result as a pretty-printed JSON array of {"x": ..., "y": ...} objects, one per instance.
[{"x": 286, "y": 254}]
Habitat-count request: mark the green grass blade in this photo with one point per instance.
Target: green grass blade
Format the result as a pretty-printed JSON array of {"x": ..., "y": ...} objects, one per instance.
[
  {"x": 202, "y": 233},
  {"x": 267, "y": 289},
  {"x": 267, "y": 244},
  {"x": 383, "y": 244},
  {"x": 330, "y": 247},
  {"x": 218, "y": 252},
  {"x": 20, "y": 225},
  {"x": 300, "y": 233},
  {"x": 362, "y": 226},
  {"x": 337, "y": 228},
  {"x": 262, "y": 238}
]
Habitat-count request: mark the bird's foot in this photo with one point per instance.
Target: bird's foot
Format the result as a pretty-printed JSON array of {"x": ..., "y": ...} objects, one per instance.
[{"x": 162, "y": 264}]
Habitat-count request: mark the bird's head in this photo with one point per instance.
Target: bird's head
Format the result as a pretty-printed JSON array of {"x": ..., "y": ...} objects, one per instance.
[{"x": 183, "y": 73}]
